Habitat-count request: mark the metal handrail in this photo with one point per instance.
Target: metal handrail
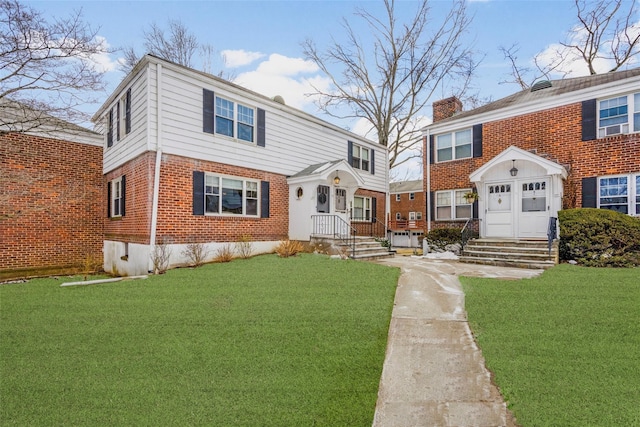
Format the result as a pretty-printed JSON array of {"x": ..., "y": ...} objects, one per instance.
[
  {"x": 338, "y": 228},
  {"x": 552, "y": 231},
  {"x": 465, "y": 233}
]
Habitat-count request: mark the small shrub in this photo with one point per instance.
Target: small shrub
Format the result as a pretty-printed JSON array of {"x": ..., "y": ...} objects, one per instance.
[
  {"x": 288, "y": 248},
  {"x": 244, "y": 247},
  {"x": 385, "y": 243},
  {"x": 160, "y": 257},
  {"x": 442, "y": 237},
  {"x": 599, "y": 237},
  {"x": 197, "y": 253},
  {"x": 224, "y": 253}
]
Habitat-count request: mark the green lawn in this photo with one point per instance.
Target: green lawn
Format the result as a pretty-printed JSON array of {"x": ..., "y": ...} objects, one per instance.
[
  {"x": 564, "y": 347},
  {"x": 259, "y": 342}
]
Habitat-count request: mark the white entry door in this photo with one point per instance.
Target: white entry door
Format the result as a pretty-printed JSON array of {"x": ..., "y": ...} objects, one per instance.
[
  {"x": 499, "y": 210},
  {"x": 534, "y": 208}
]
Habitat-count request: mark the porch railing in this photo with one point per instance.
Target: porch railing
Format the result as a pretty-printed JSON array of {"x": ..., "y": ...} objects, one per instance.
[
  {"x": 406, "y": 224},
  {"x": 465, "y": 233},
  {"x": 552, "y": 231},
  {"x": 336, "y": 227}
]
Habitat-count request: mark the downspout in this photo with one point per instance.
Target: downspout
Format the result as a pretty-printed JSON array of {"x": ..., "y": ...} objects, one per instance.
[
  {"x": 156, "y": 177},
  {"x": 428, "y": 193}
]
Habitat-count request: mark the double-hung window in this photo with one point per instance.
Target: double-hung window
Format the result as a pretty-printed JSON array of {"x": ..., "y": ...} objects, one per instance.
[
  {"x": 230, "y": 196},
  {"x": 361, "y": 208},
  {"x": 119, "y": 119},
  {"x": 116, "y": 194},
  {"x": 398, "y": 197},
  {"x": 619, "y": 115},
  {"x": 620, "y": 193},
  {"x": 234, "y": 120},
  {"x": 454, "y": 145},
  {"x": 360, "y": 157},
  {"x": 451, "y": 204}
]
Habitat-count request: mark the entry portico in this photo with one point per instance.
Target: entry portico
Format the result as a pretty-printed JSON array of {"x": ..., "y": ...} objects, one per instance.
[{"x": 518, "y": 192}]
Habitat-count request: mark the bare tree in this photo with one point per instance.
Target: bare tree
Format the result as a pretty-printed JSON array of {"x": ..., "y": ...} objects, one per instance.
[
  {"x": 47, "y": 73},
  {"x": 604, "y": 37},
  {"x": 390, "y": 82}
]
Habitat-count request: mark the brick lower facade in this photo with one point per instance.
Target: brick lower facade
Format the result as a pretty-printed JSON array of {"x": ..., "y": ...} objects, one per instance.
[{"x": 51, "y": 205}]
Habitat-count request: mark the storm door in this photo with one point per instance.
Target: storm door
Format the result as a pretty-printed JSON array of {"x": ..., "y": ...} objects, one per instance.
[
  {"x": 499, "y": 212},
  {"x": 534, "y": 212}
]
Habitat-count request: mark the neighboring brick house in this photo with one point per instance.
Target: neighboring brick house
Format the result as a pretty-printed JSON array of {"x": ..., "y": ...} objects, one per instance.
[
  {"x": 562, "y": 144},
  {"x": 406, "y": 213},
  {"x": 51, "y": 202},
  {"x": 191, "y": 158}
]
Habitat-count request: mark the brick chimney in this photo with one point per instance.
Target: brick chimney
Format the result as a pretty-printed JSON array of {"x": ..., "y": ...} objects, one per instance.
[{"x": 446, "y": 108}]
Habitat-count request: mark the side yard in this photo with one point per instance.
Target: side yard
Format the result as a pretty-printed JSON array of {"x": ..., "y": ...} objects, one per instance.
[
  {"x": 265, "y": 341},
  {"x": 564, "y": 347}
]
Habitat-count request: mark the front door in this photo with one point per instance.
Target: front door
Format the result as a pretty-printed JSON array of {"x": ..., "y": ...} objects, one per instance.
[
  {"x": 534, "y": 208},
  {"x": 499, "y": 209}
]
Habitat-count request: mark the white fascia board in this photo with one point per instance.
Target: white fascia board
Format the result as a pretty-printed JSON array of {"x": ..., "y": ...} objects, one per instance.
[{"x": 608, "y": 90}]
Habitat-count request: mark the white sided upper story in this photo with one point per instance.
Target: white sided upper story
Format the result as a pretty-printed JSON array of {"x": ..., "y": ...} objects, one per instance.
[{"x": 162, "y": 106}]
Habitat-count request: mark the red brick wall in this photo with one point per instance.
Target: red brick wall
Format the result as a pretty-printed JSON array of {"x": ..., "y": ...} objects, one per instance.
[
  {"x": 446, "y": 108},
  {"x": 135, "y": 225},
  {"x": 176, "y": 222},
  {"x": 51, "y": 205},
  {"x": 404, "y": 206},
  {"x": 557, "y": 133},
  {"x": 378, "y": 227}
]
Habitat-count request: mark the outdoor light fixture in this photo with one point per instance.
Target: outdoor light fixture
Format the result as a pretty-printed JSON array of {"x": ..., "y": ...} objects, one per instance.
[
  {"x": 513, "y": 171},
  {"x": 336, "y": 179}
]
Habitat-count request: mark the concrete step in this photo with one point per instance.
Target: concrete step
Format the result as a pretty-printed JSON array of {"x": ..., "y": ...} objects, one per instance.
[{"x": 519, "y": 253}]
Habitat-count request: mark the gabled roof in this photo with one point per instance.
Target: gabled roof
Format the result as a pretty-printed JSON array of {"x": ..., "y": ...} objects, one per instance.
[
  {"x": 405, "y": 186},
  {"x": 325, "y": 170},
  {"x": 545, "y": 95}
]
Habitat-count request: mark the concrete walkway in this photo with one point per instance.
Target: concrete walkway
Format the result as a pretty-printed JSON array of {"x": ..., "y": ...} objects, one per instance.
[{"x": 433, "y": 373}]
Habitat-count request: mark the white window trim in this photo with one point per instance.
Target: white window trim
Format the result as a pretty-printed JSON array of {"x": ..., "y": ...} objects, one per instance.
[
  {"x": 453, "y": 206},
  {"x": 116, "y": 195},
  {"x": 453, "y": 145},
  {"x": 412, "y": 196},
  {"x": 632, "y": 191},
  {"x": 366, "y": 202},
  {"x": 624, "y": 128},
  {"x": 398, "y": 197},
  {"x": 236, "y": 121},
  {"x": 244, "y": 196},
  {"x": 359, "y": 158}
]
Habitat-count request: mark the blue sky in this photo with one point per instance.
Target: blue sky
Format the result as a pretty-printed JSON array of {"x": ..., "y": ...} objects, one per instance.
[{"x": 262, "y": 39}]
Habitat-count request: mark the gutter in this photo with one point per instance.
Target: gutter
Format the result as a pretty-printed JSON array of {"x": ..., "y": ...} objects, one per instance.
[
  {"x": 156, "y": 177},
  {"x": 428, "y": 179}
]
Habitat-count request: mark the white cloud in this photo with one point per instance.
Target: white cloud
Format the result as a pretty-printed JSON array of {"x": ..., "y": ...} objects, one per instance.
[
  {"x": 102, "y": 61},
  {"x": 239, "y": 58},
  {"x": 284, "y": 76}
]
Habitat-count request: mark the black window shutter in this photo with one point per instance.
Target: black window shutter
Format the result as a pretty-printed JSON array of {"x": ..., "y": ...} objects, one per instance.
[
  {"x": 474, "y": 206},
  {"x": 123, "y": 186},
  {"x": 261, "y": 141},
  {"x": 350, "y": 152},
  {"x": 432, "y": 157},
  {"x": 109, "y": 199},
  {"x": 477, "y": 140},
  {"x": 432, "y": 199},
  {"x": 208, "y": 111},
  {"x": 374, "y": 208},
  {"x": 589, "y": 120},
  {"x": 128, "y": 111},
  {"x": 110, "y": 128},
  {"x": 590, "y": 192},
  {"x": 264, "y": 199},
  {"x": 118, "y": 121},
  {"x": 373, "y": 162},
  {"x": 198, "y": 193}
]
